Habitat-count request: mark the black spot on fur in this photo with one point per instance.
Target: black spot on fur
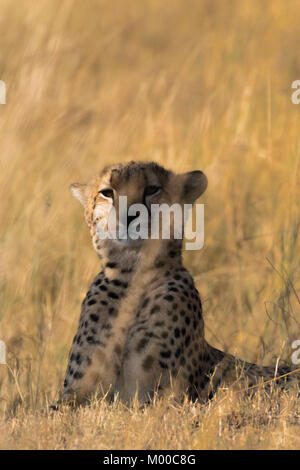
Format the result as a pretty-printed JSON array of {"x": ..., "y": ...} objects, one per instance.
[
  {"x": 78, "y": 375},
  {"x": 145, "y": 302},
  {"x": 177, "y": 352},
  {"x": 147, "y": 363},
  {"x": 165, "y": 354},
  {"x": 173, "y": 289},
  {"x": 78, "y": 359},
  {"x": 113, "y": 295},
  {"x": 111, "y": 265},
  {"x": 163, "y": 365},
  {"x": 126, "y": 270},
  {"x": 91, "y": 340},
  {"x": 141, "y": 344},
  {"x": 155, "y": 309},
  {"x": 112, "y": 311},
  {"x": 94, "y": 317},
  {"x": 177, "y": 332}
]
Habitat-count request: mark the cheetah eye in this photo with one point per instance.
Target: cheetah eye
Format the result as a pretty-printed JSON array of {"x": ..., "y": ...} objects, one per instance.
[
  {"x": 151, "y": 190},
  {"x": 107, "y": 193}
]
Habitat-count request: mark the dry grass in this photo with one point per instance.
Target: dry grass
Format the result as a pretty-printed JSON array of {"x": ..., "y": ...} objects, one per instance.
[
  {"x": 229, "y": 421},
  {"x": 190, "y": 85}
]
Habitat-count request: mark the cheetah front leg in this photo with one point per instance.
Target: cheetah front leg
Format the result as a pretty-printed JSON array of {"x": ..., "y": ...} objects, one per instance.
[
  {"x": 98, "y": 348},
  {"x": 90, "y": 369},
  {"x": 84, "y": 377}
]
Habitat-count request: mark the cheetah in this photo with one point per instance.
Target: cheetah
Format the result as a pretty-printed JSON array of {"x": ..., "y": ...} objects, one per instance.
[{"x": 141, "y": 327}]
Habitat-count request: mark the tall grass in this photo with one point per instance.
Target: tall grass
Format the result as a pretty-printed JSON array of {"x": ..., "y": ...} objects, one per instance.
[{"x": 191, "y": 85}]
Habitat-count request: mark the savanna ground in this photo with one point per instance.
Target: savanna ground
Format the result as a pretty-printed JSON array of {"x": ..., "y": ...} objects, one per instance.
[{"x": 189, "y": 84}]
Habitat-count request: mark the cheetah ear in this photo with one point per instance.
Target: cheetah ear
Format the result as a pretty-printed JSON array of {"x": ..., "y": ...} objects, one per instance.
[
  {"x": 195, "y": 183},
  {"x": 79, "y": 192}
]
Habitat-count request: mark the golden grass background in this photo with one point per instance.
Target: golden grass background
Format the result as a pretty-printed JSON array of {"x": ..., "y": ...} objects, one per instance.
[{"x": 191, "y": 85}]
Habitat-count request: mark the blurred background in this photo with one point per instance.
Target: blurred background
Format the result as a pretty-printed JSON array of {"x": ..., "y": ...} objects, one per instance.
[{"x": 189, "y": 84}]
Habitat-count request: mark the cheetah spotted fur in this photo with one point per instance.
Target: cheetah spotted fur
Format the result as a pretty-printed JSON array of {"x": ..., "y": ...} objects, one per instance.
[{"x": 141, "y": 327}]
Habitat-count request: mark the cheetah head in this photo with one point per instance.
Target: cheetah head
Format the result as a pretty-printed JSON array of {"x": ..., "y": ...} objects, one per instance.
[{"x": 145, "y": 184}]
